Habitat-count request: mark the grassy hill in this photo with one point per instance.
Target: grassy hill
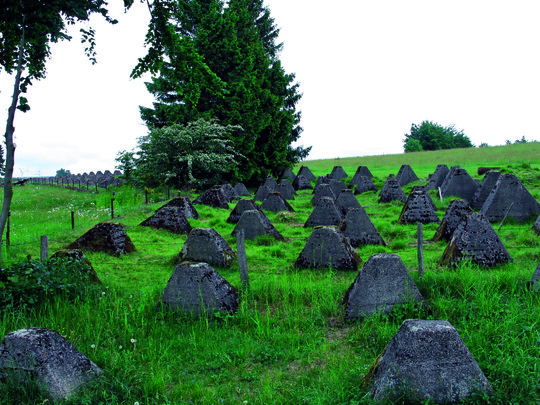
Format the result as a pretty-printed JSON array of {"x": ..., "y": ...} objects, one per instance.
[{"x": 288, "y": 342}]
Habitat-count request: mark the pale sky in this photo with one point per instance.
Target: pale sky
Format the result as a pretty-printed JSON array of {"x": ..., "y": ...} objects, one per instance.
[{"x": 367, "y": 71}]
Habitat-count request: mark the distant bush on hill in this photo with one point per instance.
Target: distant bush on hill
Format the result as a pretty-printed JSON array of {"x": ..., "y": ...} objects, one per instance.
[{"x": 432, "y": 136}]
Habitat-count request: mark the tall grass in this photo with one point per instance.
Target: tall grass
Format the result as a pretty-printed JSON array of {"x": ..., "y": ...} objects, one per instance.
[{"x": 288, "y": 342}]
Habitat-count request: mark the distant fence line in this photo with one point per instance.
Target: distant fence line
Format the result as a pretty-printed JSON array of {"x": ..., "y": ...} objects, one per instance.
[{"x": 88, "y": 182}]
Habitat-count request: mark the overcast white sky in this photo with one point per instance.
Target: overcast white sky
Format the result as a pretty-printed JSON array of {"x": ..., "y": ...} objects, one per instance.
[{"x": 367, "y": 71}]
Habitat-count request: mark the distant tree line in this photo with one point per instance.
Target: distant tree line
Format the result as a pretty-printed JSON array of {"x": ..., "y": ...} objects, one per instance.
[{"x": 432, "y": 136}]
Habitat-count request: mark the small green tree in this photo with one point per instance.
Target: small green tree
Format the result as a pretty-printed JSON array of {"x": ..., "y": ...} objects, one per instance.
[
  {"x": 413, "y": 145},
  {"x": 199, "y": 154},
  {"x": 432, "y": 136},
  {"x": 62, "y": 173}
]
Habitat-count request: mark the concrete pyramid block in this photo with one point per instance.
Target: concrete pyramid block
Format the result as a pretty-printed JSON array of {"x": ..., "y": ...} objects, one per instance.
[
  {"x": 337, "y": 186},
  {"x": 241, "y": 190},
  {"x": 485, "y": 188},
  {"x": 302, "y": 183},
  {"x": 359, "y": 230},
  {"x": 382, "y": 284},
  {"x": 458, "y": 183},
  {"x": 304, "y": 171},
  {"x": 286, "y": 189},
  {"x": 262, "y": 193},
  {"x": 364, "y": 184},
  {"x": 198, "y": 289},
  {"x": 214, "y": 197},
  {"x": 406, "y": 175},
  {"x": 321, "y": 180},
  {"x": 230, "y": 192},
  {"x": 452, "y": 218},
  {"x": 238, "y": 210},
  {"x": 510, "y": 192},
  {"x": 475, "y": 239},
  {"x": 288, "y": 174},
  {"x": 107, "y": 237},
  {"x": 436, "y": 179},
  {"x": 338, "y": 173},
  {"x": 346, "y": 200},
  {"x": 418, "y": 208},
  {"x": 535, "y": 279},
  {"x": 328, "y": 247},
  {"x": 208, "y": 246},
  {"x": 255, "y": 223},
  {"x": 326, "y": 212},
  {"x": 59, "y": 368},
  {"x": 270, "y": 182},
  {"x": 427, "y": 360},
  {"x": 169, "y": 218},
  {"x": 536, "y": 225},
  {"x": 391, "y": 191},
  {"x": 275, "y": 202},
  {"x": 78, "y": 255},
  {"x": 362, "y": 171},
  {"x": 185, "y": 205},
  {"x": 323, "y": 190}
]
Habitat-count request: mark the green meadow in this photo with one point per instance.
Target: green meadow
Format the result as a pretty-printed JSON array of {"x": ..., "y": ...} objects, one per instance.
[{"x": 288, "y": 343}]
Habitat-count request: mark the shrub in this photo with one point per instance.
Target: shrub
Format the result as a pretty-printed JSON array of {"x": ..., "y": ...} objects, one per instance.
[
  {"x": 35, "y": 281},
  {"x": 432, "y": 136}
]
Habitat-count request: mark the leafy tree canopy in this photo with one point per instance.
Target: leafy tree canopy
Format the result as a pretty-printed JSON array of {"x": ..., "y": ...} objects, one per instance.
[
  {"x": 217, "y": 61},
  {"x": 199, "y": 153},
  {"x": 62, "y": 173},
  {"x": 432, "y": 136}
]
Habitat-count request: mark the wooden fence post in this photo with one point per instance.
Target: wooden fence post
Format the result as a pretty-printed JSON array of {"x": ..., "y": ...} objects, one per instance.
[
  {"x": 242, "y": 259},
  {"x": 44, "y": 249},
  {"x": 505, "y": 215},
  {"x": 72, "y": 219},
  {"x": 420, "y": 233}
]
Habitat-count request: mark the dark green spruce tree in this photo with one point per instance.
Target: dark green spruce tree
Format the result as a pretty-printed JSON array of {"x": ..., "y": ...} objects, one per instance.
[{"x": 242, "y": 82}]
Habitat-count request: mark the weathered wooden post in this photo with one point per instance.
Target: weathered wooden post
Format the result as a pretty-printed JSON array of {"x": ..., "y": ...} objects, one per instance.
[
  {"x": 112, "y": 206},
  {"x": 242, "y": 259},
  {"x": 8, "y": 229},
  {"x": 440, "y": 195},
  {"x": 420, "y": 233},
  {"x": 44, "y": 249},
  {"x": 72, "y": 219}
]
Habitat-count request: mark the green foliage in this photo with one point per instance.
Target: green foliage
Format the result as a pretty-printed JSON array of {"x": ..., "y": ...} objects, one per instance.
[
  {"x": 35, "y": 281},
  {"x": 198, "y": 154},
  {"x": 221, "y": 62},
  {"x": 432, "y": 136},
  {"x": 62, "y": 173},
  {"x": 413, "y": 145}
]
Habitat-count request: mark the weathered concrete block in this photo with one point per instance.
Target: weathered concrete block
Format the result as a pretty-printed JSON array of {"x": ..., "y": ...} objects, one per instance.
[
  {"x": 185, "y": 206},
  {"x": 256, "y": 223},
  {"x": 406, "y": 175},
  {"x": 107, "y": 237},
  {"x": 286, "y": 189},
  {"x": 275, "y": 202},
  {"x": 43, "y": 354},
  {"x": 509, "y": 193},
  {"x": 322, "y": 190},
  {"x": 326, "y": 212},
  {"x": 359, "y": 230},
  {"x": 241, "y": 190},
  {"x": 304, "y": 171},
  {"x": 427, "y": 360},
  {"x": 214, "y": 197},
  {"x": 418, "y": 208},
  {"x": 302, "y": 183},
  {"x": 382, "y": 284},
  {"x": 346, "y": 200},
  {"x": 459, "y": 183},
  {"x": 436, "y": 179},
  {"x": 240, "y": 207},
  {"x": 328, "y": 247},
  {"x": 207, "y": 245},
  {"x": 453, "y": 216},
  {"x": 485, "y": 188},
  {"x": 392, "y": 191},
  {"x": 475, "y": 239},
  {"x": 337, "y": 173},
  {"x": 364, "y": 184},
  {"x": 169, "y": 218},
  {"x": 198, "y": 289}
]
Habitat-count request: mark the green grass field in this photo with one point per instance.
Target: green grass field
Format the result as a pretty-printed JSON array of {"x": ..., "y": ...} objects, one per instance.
[{"x": 288, "y": 343}]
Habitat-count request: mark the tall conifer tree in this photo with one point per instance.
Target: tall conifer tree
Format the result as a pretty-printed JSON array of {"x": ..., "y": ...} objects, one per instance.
[{"x": 238, "y": 45}]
